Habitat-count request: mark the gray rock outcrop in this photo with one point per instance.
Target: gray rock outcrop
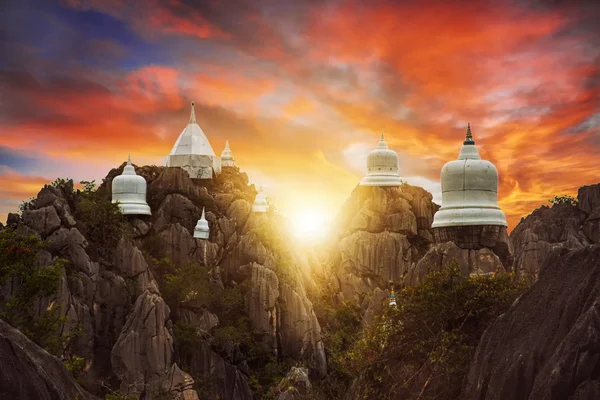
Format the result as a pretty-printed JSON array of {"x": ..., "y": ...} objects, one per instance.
[
  {"x": 28, "y": 372},
  {"x": 380, "y": 235},
  {"x": 545, "y": 345},
  {"x": 565, "y": 226}
]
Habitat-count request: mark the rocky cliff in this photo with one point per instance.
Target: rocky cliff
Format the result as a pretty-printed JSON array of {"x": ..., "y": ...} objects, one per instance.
[
  {"x": 566, "y": 225},
  {"x": 380, "y": 234},
  {"x": 384, "y": 234},
  {"x": 29, "y": 372},
  {"x": 112, "y": 288},
  {"x": 544, "y": 346}
]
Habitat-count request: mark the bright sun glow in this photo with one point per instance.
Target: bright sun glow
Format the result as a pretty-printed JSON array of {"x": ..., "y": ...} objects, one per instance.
[{"x": 309, "y": 224}]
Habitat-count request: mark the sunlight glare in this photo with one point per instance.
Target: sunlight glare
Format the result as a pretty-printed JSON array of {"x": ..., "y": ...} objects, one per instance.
[{"x": 310, "y": 224}]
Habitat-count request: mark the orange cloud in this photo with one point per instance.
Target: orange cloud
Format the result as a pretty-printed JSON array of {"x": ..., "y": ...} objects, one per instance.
[{"x": 417, "y": 70}]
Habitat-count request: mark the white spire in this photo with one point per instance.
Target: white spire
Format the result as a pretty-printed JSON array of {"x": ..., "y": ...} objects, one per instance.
[
  {"x": 128, "y": 169},
  {"x": 201, "y": 231},
  {"x": 227, "y": 159},
  {"x": 193, "y": 115}
]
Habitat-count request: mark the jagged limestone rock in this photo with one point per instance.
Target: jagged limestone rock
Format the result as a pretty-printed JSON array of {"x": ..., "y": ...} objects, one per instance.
[
  {"x": 545, "y": 345},
  {"x": 29, "y": 372},
  {"x": 444, "y": 255},
  {"x": 380, "y": 233},
  {"x": 143, "y": 352}
]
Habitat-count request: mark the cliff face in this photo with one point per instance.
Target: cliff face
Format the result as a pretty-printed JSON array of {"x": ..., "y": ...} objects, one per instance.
[
  {"x": 563, "y": 226},
  {"x": 384, "y": 234},
  {"x": 545, "y": 345},
  {"x": 380, "y": 235},
  {"x": 111, "y": 292},
  {"x": 29, "y": 372}
]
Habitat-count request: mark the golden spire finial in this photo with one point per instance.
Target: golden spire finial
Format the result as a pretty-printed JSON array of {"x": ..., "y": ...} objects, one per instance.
[{"x": 469, "y": 138}]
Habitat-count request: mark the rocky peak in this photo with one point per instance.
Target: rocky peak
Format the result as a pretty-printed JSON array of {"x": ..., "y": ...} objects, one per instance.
[{"x": 565, "y": 225}]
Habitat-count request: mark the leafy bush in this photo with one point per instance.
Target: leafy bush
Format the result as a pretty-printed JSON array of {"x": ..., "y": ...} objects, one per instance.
[
  {"x": 59, "y": 182},
  {"x": 28, "y": 284},
  {"x": 564, "y": 199},
  {"x": 88, "y": 187},
  {"x": 75, "y": 365},
  {"x": 102, "y": 220},
  {"x": 27, "y": 205},
  {"x": 424, "y": 346}
]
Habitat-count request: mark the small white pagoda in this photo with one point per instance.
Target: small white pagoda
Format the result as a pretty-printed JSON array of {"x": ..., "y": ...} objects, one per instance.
[
  {"x": 129, "y": 192},
  {"x": 382, "y": 166}
]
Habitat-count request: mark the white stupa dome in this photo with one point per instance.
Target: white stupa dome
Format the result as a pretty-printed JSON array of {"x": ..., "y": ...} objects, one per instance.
[
  {"x": 201, "y": 231},
  {"x": 382, "y": 166},
  {"x": 260, "y": 202},
  {"x": 129, "y": 190},
  {"x": 227, "y": 159},
  {"x": 469, "y": 190}
]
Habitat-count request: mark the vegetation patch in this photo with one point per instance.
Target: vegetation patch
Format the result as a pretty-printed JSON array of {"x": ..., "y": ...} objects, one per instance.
[
  {"x": 423, "y": 347},
  {"x": 101, "y": 220},
  {"x": 27, "y": 287}
]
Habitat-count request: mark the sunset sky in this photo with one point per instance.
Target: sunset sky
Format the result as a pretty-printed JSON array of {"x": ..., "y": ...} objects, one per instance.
[{"x": 302, "y": 90}]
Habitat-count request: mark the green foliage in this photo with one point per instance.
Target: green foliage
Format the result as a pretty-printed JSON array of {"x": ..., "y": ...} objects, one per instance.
[
  {"x": 27, "y": 205},
  {"x": 341, "y": 329},
  {"x": 76, "y": 366},
  {"x": 191, "y": 286},
  {"x": 102, "y": 220},
  {"x": 564, "y": 199},
  {"x": 88, "y": 187},
  {"x": 427, "y": 342},
  {"x": 59, "y": 182},
  {"x": 21, "y": 305}
]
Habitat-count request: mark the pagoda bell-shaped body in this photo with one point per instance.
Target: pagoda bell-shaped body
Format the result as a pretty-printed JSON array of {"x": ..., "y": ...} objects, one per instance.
[
  {"x": 469, "y": 191},
  {"x": 129, "y": 191},
  {"x": 227, "y": 159},
  {"x": 382, "y": 166},
  {"x": 192, "y": 152},
  {"x": 201, "y": 231},
  {"x": 260, "y": 202}
]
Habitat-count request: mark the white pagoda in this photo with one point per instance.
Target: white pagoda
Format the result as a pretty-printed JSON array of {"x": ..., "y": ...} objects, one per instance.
[
  {"x": 192, "y": 152},
  {"x": 382, "y": 166}
]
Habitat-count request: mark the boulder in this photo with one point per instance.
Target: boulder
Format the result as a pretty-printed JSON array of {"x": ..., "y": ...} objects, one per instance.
[
  {"x": 29, "y": 372},
  {"x": 545, "y": 229},
  {"x": 44, "y": 220}
]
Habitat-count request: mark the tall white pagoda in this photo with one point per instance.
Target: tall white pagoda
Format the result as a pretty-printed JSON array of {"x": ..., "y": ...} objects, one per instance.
[
  {"x": 469, "y": 190},
  {"x": 192, "y": 151}
]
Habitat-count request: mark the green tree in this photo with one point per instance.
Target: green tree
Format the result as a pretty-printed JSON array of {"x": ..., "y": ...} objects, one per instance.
[
  {"x": 28, "y": 284},
  {"x": 103, "y": 223},
  {"x": 564, "y": 199},
  {"x": 423, "y": 347}
]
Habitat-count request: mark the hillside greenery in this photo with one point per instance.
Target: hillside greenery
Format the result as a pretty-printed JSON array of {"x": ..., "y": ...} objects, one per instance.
[
  {"x": 421, "y": 348},
  {"x": 27, "y": 290}
]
